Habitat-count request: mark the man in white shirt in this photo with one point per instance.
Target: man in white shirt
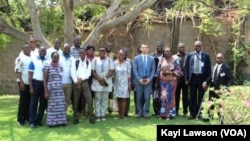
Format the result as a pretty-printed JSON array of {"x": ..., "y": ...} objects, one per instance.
[
  {"x": 33, "y": 49},
  {"x": 66, "y": 60},
  {"x": 37, "y": 88},
  {"x": 23, "y": 77},
  {"x": 56, "y": 48},
  {"x": 80, "y": 73}
]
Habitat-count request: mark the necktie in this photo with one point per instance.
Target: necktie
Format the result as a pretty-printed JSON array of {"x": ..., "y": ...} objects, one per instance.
[
  {"x": 197, "y": 64},
  {"x": 215, "y": 77},
  {"x": 145, "y": 65}
]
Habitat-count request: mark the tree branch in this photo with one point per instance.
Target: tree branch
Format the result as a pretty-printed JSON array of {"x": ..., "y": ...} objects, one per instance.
[
  {"x": 105, "y": 24},
  {"x": 85, "y": 2},
  {"x": 11, "y": 31},
  {"x": 128, "y": 16}
]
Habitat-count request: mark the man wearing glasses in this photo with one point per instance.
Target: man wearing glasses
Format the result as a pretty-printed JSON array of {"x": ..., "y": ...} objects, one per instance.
[{"x": 197, "y": 70}]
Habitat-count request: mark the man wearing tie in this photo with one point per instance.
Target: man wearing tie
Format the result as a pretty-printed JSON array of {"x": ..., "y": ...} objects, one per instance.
[
  {"x": 197, "y": 70},
  {"x": 144, "y": 70},
  {"x": 222, "y": 76}
]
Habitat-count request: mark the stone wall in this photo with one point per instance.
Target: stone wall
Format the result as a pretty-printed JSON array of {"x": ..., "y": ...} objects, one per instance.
[
  {"x": 121, "y": 38},
  {"x": 8, "y": 82}
]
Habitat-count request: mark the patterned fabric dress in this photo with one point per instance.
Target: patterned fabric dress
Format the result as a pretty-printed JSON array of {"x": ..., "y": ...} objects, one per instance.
[
  {"x": 56, "y": 114},
  {"x": 122, "y": 73},
  {"x": 168, "y": 84}
]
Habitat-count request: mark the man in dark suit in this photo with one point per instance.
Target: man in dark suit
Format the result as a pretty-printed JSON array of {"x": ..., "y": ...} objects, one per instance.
[
  {"x": 197, "y": 70},
  {"x": 221, "y": 77},
  {"x": 156, "y": 89},
  {"x": 144, "y": 70},
  {"x": 182, "y": 88}
]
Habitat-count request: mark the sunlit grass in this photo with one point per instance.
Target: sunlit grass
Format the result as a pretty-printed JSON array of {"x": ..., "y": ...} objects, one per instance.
[{"x": 131, "y": 129}]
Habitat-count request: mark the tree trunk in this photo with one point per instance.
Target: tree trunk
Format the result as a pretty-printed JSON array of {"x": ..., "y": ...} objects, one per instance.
[
  {"x": 175, "y": 35},
  {"x": 68, "y": 21},
  {"x": 37, "y": 31}
]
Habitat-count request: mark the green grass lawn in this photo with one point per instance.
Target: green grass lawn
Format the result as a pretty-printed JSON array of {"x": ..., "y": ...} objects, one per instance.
[{"x": 131, "y": 129}]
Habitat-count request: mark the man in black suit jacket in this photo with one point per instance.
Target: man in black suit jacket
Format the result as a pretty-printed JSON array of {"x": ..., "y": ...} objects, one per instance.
[
  {"x": 197, "y": 70},
  {"x": 221, "y": 76}
]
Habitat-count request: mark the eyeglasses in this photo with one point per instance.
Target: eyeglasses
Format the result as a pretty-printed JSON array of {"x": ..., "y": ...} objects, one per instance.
[
  {"x": 102, "y": 50},
  {"x": 198, "y": 46}
]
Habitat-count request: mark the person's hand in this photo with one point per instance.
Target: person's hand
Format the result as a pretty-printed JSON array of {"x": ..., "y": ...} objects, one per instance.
[
  {"x": 46, "y": 95},
  {"x": 31, "y": 91},
  {"x": 78, "y": 83},
  {"x": 22, "y": 86},
  {"x": 79, "y": 79},
  {"x": 147, "y": 81},
  {"x": 204, "y": 85},
  {"x": 102, "y": 81},
  {"x": 143, "y": 81},
  {"x": 187, "y": 82}
]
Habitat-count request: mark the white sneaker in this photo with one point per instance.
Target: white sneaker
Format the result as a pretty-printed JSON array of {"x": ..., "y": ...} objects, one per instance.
[{"x": 103, "y": 119}]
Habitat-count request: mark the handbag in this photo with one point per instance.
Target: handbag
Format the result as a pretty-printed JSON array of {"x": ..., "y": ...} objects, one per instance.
[{"x": 113, "y": 105}]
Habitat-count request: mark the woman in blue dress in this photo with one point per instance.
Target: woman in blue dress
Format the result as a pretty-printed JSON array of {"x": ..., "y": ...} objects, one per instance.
[
  {"x": 52, "y": 72},
  {"x": 122, "y": 83}
]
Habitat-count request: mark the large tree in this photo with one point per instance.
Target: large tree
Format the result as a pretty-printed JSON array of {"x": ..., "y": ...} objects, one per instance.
[{"x": 117, "y": 13}]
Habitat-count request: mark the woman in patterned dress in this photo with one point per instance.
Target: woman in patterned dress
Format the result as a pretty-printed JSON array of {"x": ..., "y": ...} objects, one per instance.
[
  {"x": 168, "y": 70},
  {"x": 122, "y": 83},
  {"x": 52, "y": 73}
]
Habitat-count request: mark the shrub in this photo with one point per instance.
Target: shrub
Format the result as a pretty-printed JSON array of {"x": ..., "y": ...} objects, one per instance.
[{"x": 233, "y": 106}]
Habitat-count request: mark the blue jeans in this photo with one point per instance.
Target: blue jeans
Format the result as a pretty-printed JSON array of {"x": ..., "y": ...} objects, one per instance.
[{"x": 36, "y": 118}]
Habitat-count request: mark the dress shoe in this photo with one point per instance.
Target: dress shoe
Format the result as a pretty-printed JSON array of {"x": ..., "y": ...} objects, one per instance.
[
  {"x": 20, "y": 123},
  {"x": 91, "y": 120},
  {"x": 138, "y": 117},
  {"x": 32, "y": 126},
  {"x": 191, "y": 118}
]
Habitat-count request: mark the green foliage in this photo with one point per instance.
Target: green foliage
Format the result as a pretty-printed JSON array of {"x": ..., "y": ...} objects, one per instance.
[
  {"x": 147, "y": 14},
  {"x": 88, "y": 15},
  {"x": 4, "y": 40},
  {"x": 233, "y": 106},
  {"x": 209, "y": 25},
  {"x": 51, "y": 20},
  {"x": 18, "y": 15},
  {"x": 238, "y": 61}
]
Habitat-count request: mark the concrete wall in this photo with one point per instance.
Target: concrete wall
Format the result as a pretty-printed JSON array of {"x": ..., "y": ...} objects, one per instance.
[{"x": 121, "y": 38}]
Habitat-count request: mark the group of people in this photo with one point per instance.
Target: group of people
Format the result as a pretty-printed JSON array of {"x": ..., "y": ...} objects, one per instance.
[{"x": 52, "y": 79}]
